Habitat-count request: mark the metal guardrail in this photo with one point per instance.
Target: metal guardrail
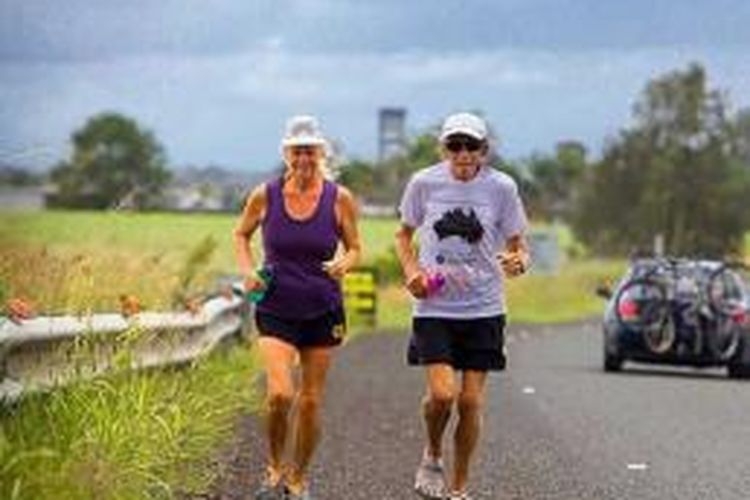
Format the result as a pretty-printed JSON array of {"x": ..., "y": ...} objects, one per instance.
[{"x": 45, "y": 352}]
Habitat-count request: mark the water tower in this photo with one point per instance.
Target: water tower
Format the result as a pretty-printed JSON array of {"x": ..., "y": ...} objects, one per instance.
[{"x": 391, "y": 133}]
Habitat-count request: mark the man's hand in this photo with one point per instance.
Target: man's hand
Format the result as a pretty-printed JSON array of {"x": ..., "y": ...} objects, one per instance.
[
  {"x": 514, "y": 262},
  {"x": 416, "y": 283}
]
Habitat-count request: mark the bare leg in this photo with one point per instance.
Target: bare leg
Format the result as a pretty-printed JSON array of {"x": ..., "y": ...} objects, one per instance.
[
  {"x": 470, "y": 403},
  {"x": 429, "y": 481},
  {"x": 278, "y": 357},
  {"x": 315, "y": 363},
  {"x": 437, "y": 404}
]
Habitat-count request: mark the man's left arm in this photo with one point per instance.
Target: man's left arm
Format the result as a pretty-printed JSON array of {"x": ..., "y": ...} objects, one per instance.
[{"x": 515, "y": 259}]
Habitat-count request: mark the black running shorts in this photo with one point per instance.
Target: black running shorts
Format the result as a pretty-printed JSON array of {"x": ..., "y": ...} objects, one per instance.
[{"x": 465, "y": 344}]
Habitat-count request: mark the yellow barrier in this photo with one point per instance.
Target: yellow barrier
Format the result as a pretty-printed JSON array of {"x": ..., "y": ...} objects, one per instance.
[{"x": 360, "y": 289}]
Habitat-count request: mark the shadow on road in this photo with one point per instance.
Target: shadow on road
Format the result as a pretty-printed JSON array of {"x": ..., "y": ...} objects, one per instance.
[{"x": 676, "y": 372}]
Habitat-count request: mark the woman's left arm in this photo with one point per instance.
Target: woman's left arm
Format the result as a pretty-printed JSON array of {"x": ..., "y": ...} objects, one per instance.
[{"x": 346, "y": 216}]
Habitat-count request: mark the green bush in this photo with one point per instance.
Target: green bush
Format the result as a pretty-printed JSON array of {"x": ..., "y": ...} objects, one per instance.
[{"x": 387, "y": 266}]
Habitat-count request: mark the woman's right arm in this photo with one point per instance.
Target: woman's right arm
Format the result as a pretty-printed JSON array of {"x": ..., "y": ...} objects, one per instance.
[{"x": 252, "y": 215}]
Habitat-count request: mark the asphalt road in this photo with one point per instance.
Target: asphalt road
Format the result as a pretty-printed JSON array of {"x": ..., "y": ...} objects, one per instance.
[{"x": 556, "y": 427}]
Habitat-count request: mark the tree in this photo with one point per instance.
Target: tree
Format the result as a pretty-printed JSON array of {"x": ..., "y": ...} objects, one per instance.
[
  {"x": 554, "y": 183},
  {"x": 742, "y": 131},
  {"x": 383, "y": 182},
  {"x": 114, "y": 162},
  {"x": 357, "y": 175},
  {"x": 675, "y": 173},
  {"x": 18, "y": 177}
]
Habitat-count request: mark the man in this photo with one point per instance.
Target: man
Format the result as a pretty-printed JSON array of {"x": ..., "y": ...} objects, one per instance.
[{"x": 464, "y": 212}]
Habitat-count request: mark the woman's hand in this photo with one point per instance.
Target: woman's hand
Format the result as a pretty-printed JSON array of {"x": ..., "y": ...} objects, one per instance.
[
  {"x": 253, "y": 282},
  {"x": 336, "y": 268}
]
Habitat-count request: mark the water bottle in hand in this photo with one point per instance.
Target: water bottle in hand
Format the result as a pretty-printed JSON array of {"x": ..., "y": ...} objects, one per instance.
[
  {"x": 266, "y": 276},
  {"x": 435, "y": 283}
]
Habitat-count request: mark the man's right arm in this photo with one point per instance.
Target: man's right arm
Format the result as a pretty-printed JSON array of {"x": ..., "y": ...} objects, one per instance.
[{"x": 414, "y": 277}]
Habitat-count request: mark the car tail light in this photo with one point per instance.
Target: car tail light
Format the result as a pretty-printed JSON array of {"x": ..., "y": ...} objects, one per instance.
[
  {"x": 741, "y": 317},
  {"x": 628, "y": 310}
]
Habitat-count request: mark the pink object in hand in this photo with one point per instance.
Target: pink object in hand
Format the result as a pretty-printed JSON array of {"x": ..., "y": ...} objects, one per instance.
[{"x": 435, "y": 282}]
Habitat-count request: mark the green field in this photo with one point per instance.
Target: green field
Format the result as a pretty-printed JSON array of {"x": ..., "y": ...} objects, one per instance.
[
  {"x": 84, "y": 261},
  {"x": 156, "y": 234},
  {"x": 79, "y": 262}
]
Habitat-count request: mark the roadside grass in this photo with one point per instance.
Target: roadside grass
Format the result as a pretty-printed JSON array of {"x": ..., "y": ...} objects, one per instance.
[
  {"x": 565, "y": 296},
  {"x": 129, "y": 435}
]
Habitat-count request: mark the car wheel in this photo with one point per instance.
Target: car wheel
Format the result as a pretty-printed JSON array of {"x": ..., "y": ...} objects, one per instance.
[
  {"x": 612, "y": 362},
  {"x": 739, "y": 365},
  {"x": 738, "y": 371}
]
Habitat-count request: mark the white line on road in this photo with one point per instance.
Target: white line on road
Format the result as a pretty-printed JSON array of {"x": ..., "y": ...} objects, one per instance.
[
  {"x": 529, "y": 390},
  {"x": 640, "y": 466}
]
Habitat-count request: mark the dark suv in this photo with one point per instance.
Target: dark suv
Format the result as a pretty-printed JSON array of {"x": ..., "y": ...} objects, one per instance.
[{"x": 679, "y": 311}]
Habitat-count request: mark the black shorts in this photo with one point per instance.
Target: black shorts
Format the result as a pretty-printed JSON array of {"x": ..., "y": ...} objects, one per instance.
[
  {"x": 328, "y": 329},
  {"x": 465, "y": 344}
]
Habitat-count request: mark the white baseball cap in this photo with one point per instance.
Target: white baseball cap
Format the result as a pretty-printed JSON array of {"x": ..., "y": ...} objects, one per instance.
[
  {"x": 464, "y": 123},
  {"x": 303, "y": 130}
]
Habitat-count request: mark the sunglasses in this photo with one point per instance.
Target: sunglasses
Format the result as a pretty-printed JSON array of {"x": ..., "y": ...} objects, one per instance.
[
  {"x": 457, "y": 144},
  {"x": 303, "y": 150}
]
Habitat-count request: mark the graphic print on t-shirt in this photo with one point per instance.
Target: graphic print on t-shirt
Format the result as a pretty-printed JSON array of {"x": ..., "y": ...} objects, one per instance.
[
  {"x": 456, "y": 223},
  {"x": 459, "y": 233}
]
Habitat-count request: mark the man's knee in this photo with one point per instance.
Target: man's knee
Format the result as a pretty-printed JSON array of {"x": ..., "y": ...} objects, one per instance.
[
  {"x": 441, "y": 400},
  {"x": 469, "y": 403}
]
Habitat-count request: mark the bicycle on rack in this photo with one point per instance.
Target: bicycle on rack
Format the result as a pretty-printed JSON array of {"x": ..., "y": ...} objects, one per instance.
[{"x": 681, "y": 311}]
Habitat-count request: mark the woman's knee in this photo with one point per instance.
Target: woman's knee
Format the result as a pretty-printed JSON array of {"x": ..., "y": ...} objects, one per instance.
[
  {"x": 279, "y": 400},
  {"x": 309, "y": 402}
]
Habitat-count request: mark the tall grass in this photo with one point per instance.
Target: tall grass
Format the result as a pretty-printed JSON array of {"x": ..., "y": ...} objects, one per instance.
[
  {"x": 131, "y": 435},
  {"x": 126, "y": 435}
]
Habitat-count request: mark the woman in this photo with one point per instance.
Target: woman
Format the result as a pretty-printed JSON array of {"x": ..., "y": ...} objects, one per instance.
[{"x": 303, "y": 218}]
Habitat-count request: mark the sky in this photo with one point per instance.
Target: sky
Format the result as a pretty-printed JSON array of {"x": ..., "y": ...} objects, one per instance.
[{"x": 216, "y": 80}]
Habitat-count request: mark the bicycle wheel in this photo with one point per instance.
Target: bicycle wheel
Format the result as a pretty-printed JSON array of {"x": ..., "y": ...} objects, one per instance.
[
  {"x": 728, "y": 290},
  {"x": 729, "y": 302},
  {"x": 641, "y": 303},
  {"x": 723, "y": 339}
]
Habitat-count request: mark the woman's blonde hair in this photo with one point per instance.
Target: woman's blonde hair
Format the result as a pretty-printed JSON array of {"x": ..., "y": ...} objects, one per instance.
[
  {"x": 327, "y": 164},
  {"x": 304, "y": 130}
]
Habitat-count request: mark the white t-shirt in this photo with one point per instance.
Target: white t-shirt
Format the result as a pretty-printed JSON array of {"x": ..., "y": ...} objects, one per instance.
[{"x": 461, "y": 226}]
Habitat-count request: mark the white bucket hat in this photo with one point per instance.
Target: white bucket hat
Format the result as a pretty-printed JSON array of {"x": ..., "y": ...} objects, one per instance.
[
  {"x": 302, "y": 130},
  {"x": 466, "y": 124}
]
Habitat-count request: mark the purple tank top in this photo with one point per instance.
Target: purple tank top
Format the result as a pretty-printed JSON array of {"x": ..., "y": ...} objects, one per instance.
[{"x": 295, "y": 251}]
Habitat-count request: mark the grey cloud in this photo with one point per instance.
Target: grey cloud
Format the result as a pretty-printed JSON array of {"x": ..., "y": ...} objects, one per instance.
[{"x": 85, "y": 29}]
